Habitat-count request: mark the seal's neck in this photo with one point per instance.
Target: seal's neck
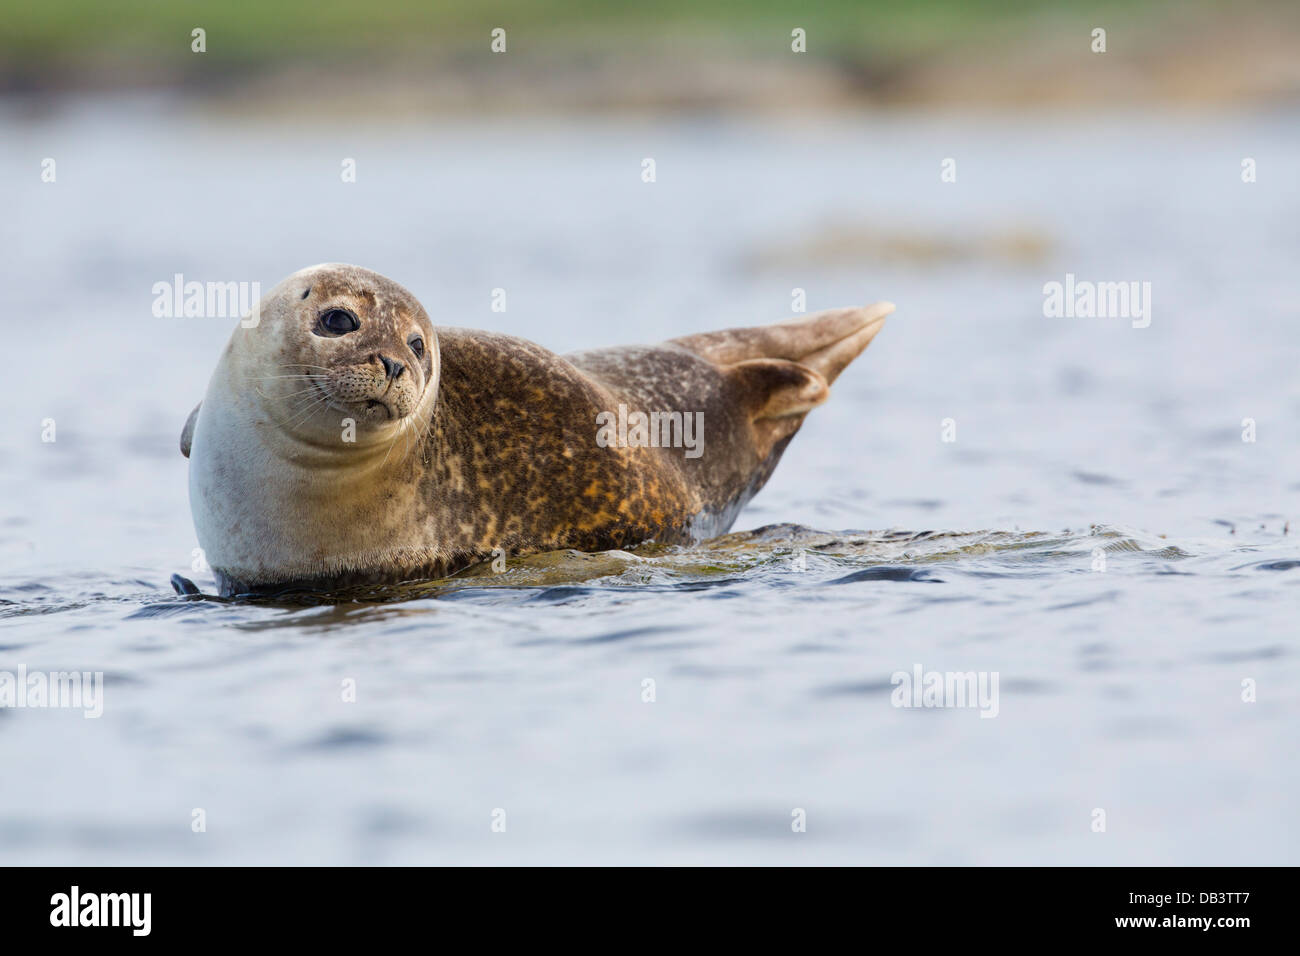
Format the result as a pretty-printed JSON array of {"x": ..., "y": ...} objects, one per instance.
[{"x": 271, "y": 503}]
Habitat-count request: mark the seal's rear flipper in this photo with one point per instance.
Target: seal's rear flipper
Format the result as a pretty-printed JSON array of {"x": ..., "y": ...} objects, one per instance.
[
  {"x": 777, "y": 394},
  {"x": 785, "y": 370},
  {"x": 825, "y": 342},
  {"x": 187, "y": 433},
  {"x": 775, "y": 388}
]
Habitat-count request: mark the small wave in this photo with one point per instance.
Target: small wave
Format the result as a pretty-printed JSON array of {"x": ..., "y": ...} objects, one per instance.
[
  {"x": 1275, "y": 565},
  {"x": 888, "y": 573},
  {"x": 773, "y": 556}
]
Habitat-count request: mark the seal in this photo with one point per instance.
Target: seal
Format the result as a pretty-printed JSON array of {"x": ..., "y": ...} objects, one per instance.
[{"x": 344, "y": 440}]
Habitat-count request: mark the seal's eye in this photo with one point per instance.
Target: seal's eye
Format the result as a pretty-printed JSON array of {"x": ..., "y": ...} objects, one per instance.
[
  {"x": 417, "y": 346},
  {"x": 337, "y": 322}
]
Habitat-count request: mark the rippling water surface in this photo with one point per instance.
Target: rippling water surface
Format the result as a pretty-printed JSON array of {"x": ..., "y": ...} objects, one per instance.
[{"x": 1099, "y": 535}]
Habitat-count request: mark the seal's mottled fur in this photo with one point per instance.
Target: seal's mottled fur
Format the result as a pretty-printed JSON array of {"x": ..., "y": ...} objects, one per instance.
[{"x": 484, "y": 442}]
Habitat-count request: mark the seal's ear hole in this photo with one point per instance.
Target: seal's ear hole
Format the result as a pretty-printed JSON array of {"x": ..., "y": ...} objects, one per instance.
[
  {"x": 306, "y": 292},
  {"x": 334, "y": 322}
]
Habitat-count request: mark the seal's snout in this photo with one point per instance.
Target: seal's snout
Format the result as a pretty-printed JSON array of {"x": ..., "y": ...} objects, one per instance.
[{"x": 392, "y": 368}]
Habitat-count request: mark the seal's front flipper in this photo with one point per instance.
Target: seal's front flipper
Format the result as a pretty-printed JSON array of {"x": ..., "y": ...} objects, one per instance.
[
  {"x": 184, "y": 586},
  {"x": 187, "y": 437},
  {"x": 777, "y": 394}
]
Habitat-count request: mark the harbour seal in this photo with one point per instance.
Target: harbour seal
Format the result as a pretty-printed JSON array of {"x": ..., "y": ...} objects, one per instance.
[{"x": 344, "y": 440}]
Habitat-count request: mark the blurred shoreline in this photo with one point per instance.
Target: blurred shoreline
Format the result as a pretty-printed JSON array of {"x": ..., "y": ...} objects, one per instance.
[{"x": 410, "y": 61}]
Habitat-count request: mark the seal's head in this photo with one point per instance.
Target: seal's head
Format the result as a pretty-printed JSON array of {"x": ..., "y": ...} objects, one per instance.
[{"x": 336, "y": 342}]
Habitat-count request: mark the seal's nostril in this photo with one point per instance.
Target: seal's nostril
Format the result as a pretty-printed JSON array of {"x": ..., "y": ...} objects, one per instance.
[{"x": 393, "y": 368}]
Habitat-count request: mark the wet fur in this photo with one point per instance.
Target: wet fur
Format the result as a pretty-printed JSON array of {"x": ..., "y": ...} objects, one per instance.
[{"x": 504, "y": 455}]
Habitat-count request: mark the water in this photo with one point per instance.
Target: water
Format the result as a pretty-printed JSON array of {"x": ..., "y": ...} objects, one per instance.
[{"x": 1119, "y": 689}]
